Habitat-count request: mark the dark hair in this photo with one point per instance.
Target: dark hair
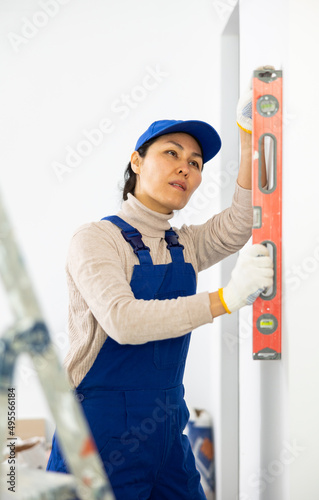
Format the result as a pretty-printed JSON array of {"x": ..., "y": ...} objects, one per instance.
[{"x": 130, "y": 175}]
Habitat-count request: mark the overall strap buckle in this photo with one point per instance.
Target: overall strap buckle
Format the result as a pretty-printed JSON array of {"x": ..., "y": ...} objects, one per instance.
[
  {"x": 172, "y": 239},
  {"x": 134, "y": 238},
  {"x": 175, "y": 248}
]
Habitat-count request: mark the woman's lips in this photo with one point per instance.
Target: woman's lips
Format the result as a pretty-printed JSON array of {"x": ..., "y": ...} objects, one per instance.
[{"x": 178, "y": 185}]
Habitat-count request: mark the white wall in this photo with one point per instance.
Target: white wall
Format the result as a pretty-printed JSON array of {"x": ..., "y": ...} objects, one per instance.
[
  {"x": 73, "y": 66},
  {"x": 229, "y": 359},
  {"x": 261, "y": 383},
  {"x": 279, "y": 407}
]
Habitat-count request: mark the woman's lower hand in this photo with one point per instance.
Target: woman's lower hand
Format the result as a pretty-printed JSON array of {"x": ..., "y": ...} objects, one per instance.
[{"x": 252, "y": 273}]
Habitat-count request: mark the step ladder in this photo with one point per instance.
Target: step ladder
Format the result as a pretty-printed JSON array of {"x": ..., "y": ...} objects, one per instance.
[{"x": 29, "y": 334}]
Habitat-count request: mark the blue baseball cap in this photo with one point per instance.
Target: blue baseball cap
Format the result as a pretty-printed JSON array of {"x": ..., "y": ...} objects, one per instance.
[{"x": 204, "y": 133}]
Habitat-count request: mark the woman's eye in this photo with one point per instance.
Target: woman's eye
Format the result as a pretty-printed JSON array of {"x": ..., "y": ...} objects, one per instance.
[
  {"x": 193, "y": 162},
  {"x": 172, "y": 152}
]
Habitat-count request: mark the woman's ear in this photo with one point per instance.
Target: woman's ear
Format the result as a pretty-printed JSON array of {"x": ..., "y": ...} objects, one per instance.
[{"x": 135, "y": 162}]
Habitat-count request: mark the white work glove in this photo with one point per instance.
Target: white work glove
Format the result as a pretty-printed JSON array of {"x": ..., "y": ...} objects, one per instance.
[
  {"x": 251, "y": 275},
  {"x": 244, "y": 106}
]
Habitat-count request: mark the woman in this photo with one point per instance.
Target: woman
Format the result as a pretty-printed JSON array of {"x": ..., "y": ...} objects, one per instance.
[{"x": 133, "y": 302}]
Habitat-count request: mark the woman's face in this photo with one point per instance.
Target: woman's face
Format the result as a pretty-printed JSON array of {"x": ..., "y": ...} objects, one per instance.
[{"x": 169, "y": 173}]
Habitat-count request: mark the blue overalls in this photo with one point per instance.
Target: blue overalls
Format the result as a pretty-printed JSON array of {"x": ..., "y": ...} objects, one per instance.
[{"x": 133, "y": 394}]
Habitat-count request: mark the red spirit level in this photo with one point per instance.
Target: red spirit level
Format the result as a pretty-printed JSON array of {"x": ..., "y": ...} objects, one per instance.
[{"x": 267, "y": 206}]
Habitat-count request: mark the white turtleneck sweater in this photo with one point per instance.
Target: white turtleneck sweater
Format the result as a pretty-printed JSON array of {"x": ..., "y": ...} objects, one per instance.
[{"x": 99, "y": 269}]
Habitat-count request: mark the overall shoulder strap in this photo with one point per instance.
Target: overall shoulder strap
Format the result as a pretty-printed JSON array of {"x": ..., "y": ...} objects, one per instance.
[{"x": 134, "y": 238}]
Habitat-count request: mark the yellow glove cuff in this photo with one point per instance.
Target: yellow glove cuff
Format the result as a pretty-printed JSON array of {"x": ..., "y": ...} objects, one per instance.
[
  {"x": 220, "y": 294},
  {"x": 245, "y": 130}
]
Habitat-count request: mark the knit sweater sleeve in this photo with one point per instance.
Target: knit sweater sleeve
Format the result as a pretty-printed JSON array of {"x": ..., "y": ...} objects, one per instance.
[
  {"x": 225, "y": 233},
  {"x": 96, "y": 264}
]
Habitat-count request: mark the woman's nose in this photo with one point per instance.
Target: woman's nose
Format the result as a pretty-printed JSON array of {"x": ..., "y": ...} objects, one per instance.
[{"x": 184, "y": 167}]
